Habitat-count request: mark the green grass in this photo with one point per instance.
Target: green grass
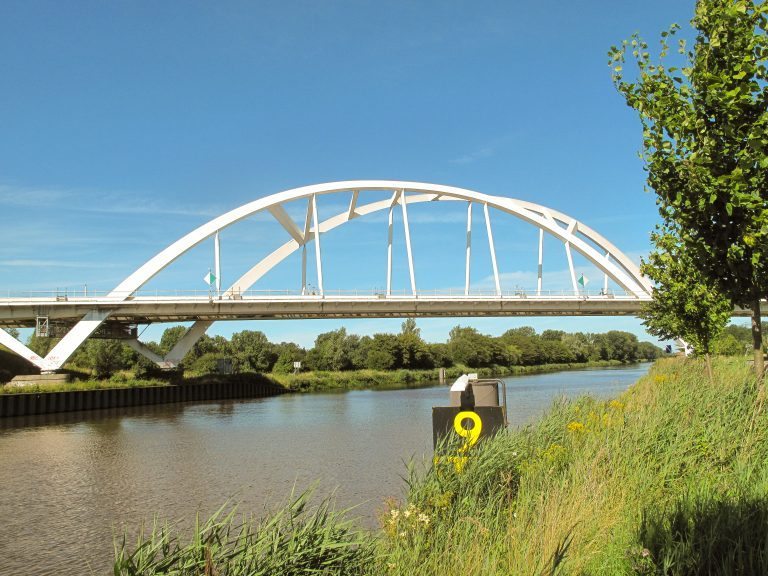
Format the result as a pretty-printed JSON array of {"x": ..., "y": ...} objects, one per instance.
[
  {"x": 670, "y": 478},
  {"x": 359, "y": 379},
  {"x": 82, "y": 385},
  {"x": 126, "y": 380}
]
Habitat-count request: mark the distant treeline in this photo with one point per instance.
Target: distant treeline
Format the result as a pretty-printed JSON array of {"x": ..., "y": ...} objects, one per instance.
[{"x": 251, "y": 351}]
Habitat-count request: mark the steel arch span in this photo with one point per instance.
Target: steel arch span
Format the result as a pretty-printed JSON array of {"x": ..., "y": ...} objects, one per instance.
[{"x": 574, "y": 235}]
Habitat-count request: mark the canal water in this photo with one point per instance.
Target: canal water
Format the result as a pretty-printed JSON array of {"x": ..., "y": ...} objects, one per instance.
[{"x": 71, "y": 483}]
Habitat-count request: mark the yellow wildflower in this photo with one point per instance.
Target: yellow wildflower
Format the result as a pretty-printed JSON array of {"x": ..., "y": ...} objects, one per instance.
[
  {"x": 616, "y": 405},
  {"x": 575, "y": 426}
]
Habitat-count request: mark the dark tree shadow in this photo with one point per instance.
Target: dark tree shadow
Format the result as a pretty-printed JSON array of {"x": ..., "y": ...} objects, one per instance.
[{"x": 705, "y": 536}]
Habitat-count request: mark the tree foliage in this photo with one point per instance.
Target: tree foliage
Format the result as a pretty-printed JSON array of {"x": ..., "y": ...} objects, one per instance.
[
  {"x": 171, "y": 337},
  {"x": 470, "y": 347},
  {"x": 333, "y": 351},
  {"x": 705, "y": 137},
  {"x": 414, "y": 352},
  {"x": 251, "y": 351},
  {"x": 684, "y": 303}
]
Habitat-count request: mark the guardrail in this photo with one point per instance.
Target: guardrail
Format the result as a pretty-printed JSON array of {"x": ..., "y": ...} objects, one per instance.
[{"x": 82, "y": 296}]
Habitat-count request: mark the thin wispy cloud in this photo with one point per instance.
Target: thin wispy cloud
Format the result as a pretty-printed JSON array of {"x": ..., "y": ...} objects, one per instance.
[
  {"x": 555, "y": 280},
  {"x": 32, "y": 197},
  {"x": 97, "y": 201},
  {"x": 112, "y": 204},
  {"x": 35, "y": 263},
  {"x": 474, "y": 156},
  {"x": 489, "y": 148}
]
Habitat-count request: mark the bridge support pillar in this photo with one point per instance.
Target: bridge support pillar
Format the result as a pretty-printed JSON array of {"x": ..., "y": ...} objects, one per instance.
[
  {"x": 148, "y": 353},
  {"x": 18, "y": 348},
  {"x": 74, "y": 338},
  {"x": 195, "y": 332}
]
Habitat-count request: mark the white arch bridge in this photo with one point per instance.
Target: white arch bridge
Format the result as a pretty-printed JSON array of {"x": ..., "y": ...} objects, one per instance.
[{"x": 115, "y": 313}]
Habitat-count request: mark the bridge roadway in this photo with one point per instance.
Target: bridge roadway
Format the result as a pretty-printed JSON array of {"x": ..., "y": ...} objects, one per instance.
[{"x": 143, "y": 309}]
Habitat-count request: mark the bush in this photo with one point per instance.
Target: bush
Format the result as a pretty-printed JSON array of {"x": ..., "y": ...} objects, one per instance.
[{"x": 208, "y": 363}]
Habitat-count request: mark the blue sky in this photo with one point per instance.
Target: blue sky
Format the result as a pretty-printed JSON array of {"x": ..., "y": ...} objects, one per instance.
[{"x": 124, "y": 125}]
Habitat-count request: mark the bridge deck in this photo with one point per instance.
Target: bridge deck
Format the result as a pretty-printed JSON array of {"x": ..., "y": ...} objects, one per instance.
[{"x": 143, "y": 309}]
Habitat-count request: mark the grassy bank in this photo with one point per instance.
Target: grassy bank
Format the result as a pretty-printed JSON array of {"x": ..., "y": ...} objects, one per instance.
[
  {"x": 88, "y": 384},
  {"x": 359, "y": 379},
  {"x": 126, "y": 380},
  {"x": 304, "y": 381},
  {"x": 670, "y": 478}
]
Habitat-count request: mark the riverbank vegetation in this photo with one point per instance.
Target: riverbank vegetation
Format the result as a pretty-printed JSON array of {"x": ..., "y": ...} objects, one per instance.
[
  {"x": 382, "y": 379},
  {"x": 341, "y": 353},
  {"x": 669, "y": 478},
  {"x": 298, "y": 382}
]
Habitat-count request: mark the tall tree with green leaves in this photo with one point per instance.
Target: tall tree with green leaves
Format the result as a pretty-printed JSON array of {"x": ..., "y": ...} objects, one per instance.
[
  {"x": 684, "y": 305},
  {"x": 414, "y": 352},
  {"x": 704, "y": 114}
]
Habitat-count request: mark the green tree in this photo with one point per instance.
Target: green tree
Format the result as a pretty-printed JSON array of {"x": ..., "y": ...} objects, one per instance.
[
  {"x": 684, "y": 305},
  {"x": 441, "y": 355},
  {"x": 470, "y": 347},
  {"x": 525, "y": 344},
  {"x": 103, "y": 357},
  {"x": 333, "y": 350},
  {"x": 648, "y": 351},
  {"x": 207, "y": 363},
  {"x": 41, "y": 345},
  {"x": 555, "y": 352},
  {"x": 727, "y": 345},
  {"x": 553, "y": 335},
  {"x": 383, "y": 352},
  {"x": 207, "y": 345},
  {"x": 171, "y": 337},
  {"x": 253, "y": 351},
  {"x": 618, "y": 345},
  {"x": 144, "y": 367},
  {"x": 581, "y": 346},
  {"x": 107, "y": 357},
  {"x": 287, "y": 354},
  {"x": 413, "y": 350},
  {"x": 705, "y": 137},
  {"x": 742, "y": 334}
]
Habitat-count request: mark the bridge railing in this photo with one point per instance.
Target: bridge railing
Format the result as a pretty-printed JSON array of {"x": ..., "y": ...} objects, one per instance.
[{"x": 17, "y": 296}]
